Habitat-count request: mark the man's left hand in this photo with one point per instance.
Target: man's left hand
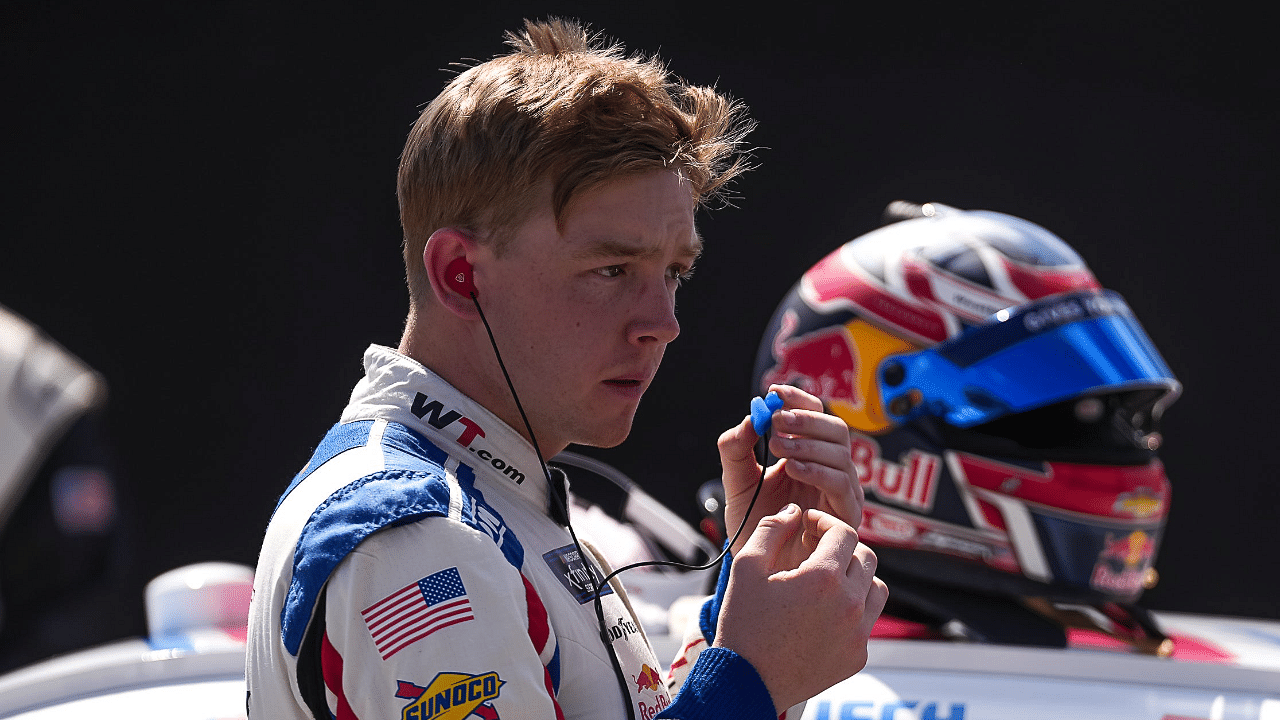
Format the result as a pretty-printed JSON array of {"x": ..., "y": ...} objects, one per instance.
[{"x": 815, "y": 469}]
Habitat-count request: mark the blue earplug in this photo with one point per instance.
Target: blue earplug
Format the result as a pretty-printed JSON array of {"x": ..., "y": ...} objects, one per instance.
[{"x": 762, "y": 409}]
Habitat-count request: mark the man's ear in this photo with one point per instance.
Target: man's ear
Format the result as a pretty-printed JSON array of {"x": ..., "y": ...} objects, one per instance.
[{"x": 447, "y": 258}]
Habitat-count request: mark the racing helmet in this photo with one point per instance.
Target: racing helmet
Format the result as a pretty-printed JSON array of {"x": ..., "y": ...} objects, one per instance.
[{"x": 1003, "y": 407}]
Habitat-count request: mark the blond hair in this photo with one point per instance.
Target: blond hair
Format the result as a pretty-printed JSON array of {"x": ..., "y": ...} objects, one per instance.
[{"x": 564, "y": 107}]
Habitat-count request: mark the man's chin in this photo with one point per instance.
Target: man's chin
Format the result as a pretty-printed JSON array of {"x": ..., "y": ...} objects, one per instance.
[{"x": 607, "y": 435}]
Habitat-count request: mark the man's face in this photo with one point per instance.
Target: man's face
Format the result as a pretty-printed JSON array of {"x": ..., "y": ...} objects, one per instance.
[{"x": 583, "y": 317}]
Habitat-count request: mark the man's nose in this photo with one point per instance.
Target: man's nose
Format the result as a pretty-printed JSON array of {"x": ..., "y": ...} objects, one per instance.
[{"x": 655, "y": 320}]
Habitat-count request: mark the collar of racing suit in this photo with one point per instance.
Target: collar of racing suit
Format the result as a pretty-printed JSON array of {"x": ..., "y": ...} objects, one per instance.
[{"x": 402, "y": 390}]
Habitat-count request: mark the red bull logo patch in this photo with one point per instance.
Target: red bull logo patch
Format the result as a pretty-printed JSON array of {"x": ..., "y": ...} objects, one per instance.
[
  {"x": 1122, "y": 565},
  {"x": 649, "y": 712},
  {"x": 451, "y": 696},
  {"x": 647, "y": 679}
]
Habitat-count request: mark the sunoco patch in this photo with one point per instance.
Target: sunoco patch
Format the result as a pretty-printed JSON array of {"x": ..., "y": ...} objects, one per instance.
[{"x": 451, "y": 696}]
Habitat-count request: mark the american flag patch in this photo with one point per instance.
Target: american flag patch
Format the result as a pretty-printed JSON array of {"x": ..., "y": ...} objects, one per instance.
[{"x": 417, "y": 610}]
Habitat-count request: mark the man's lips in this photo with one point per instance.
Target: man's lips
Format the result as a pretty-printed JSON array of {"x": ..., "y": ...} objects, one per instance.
[
  {"x": 630, "y": 380},
  {"x": 634, "y": 378}
]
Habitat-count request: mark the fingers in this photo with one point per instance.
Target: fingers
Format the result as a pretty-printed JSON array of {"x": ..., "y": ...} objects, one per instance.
[
  {"x": 794, "y": 397},
  {"x": 834, "y": 548},
  {"x": 737, "y": 444},
  {"x": 806, "y": 434},
  {"x": 877, "y": 597},
  {"x": 737, "y": 457},
  {"x": 802, "y": 626},
  {"x": 773, "y": 535},
  {"x": 834, "y": 545},
  {"x": 823, "y": 463},
  {"x": 815, "y": 471},
  {"x": 814, "y": 447}
]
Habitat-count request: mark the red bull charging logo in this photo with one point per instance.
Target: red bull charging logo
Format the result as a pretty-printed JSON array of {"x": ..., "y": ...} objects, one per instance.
[
  {"x": 647, "y": 680},
  {"x": 1122, "y": 565},
  {"x": 822, "y": 363}
]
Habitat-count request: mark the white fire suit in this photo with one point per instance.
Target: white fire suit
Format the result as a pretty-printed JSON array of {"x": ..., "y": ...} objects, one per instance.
[{"x": 415, "y": 569}]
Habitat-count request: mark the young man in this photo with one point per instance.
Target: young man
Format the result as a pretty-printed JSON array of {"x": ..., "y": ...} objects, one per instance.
[{"x": 423, "y": 564}]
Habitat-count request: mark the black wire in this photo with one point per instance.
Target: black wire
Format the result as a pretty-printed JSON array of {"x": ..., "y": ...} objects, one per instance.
[
  {"x": 503, "y": 366},
  {"x": 712, "y": 563},
  {"x": 562, "y": 495},
  {"x": 604, "y": 633}
]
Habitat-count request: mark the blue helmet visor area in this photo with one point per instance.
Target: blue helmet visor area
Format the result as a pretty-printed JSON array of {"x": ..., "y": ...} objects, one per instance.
[{"x": 1053, "y": 349}]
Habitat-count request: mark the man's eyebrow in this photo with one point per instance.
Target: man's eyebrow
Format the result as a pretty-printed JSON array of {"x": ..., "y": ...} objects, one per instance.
[{"x": 619, "y": 248}]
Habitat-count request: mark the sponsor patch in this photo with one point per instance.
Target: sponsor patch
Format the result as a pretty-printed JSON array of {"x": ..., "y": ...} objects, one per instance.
[
  {"x": 647, "y": 680},
  {"x": 1141, "y": 503},
  {"x": 417, "y": 610},
  {"x": 578, "y": 577},
  {"x": 1122, "y": 565},
  {"x": 649, "y": 712},
  {"x": 623, "y": 628},
  {"x": 451, "y": 696},
  {"x": 434, "y": 413}
]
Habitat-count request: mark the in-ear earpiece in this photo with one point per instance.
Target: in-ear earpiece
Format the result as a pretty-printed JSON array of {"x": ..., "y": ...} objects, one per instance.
[
  {"x": 457, "y": 275},
  {"x": 762, "y": 410}
]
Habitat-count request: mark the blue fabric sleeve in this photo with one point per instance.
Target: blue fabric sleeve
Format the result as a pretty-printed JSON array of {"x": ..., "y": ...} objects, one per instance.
[
  {"x": 722, "y": 685},
  {"x": 711, "y": 608}
]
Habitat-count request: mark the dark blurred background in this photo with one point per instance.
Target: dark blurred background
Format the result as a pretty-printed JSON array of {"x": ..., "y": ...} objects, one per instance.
[{"x": 200, "y": 203}]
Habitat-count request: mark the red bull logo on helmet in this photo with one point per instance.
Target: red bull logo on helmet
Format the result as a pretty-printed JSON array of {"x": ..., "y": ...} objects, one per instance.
[
  {"x": 823, "y": 363},
  {"x": 838, "y": 364},
  {"x": 1123, "y": 563}
]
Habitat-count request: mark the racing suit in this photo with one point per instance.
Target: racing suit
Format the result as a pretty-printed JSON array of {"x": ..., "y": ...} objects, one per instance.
[{"x": 416, "y": 568}]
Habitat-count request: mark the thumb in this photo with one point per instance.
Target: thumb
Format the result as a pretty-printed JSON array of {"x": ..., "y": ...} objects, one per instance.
[
  {"x": 737, "y": 451},
  {"x": 773, "y": 534}
]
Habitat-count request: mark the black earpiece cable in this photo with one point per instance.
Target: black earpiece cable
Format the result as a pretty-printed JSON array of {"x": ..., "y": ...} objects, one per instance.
[{"x": 562, "y": 495}]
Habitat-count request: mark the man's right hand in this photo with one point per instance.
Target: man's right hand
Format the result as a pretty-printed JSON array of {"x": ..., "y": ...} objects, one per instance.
[{"x": 801, "y": 601}]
